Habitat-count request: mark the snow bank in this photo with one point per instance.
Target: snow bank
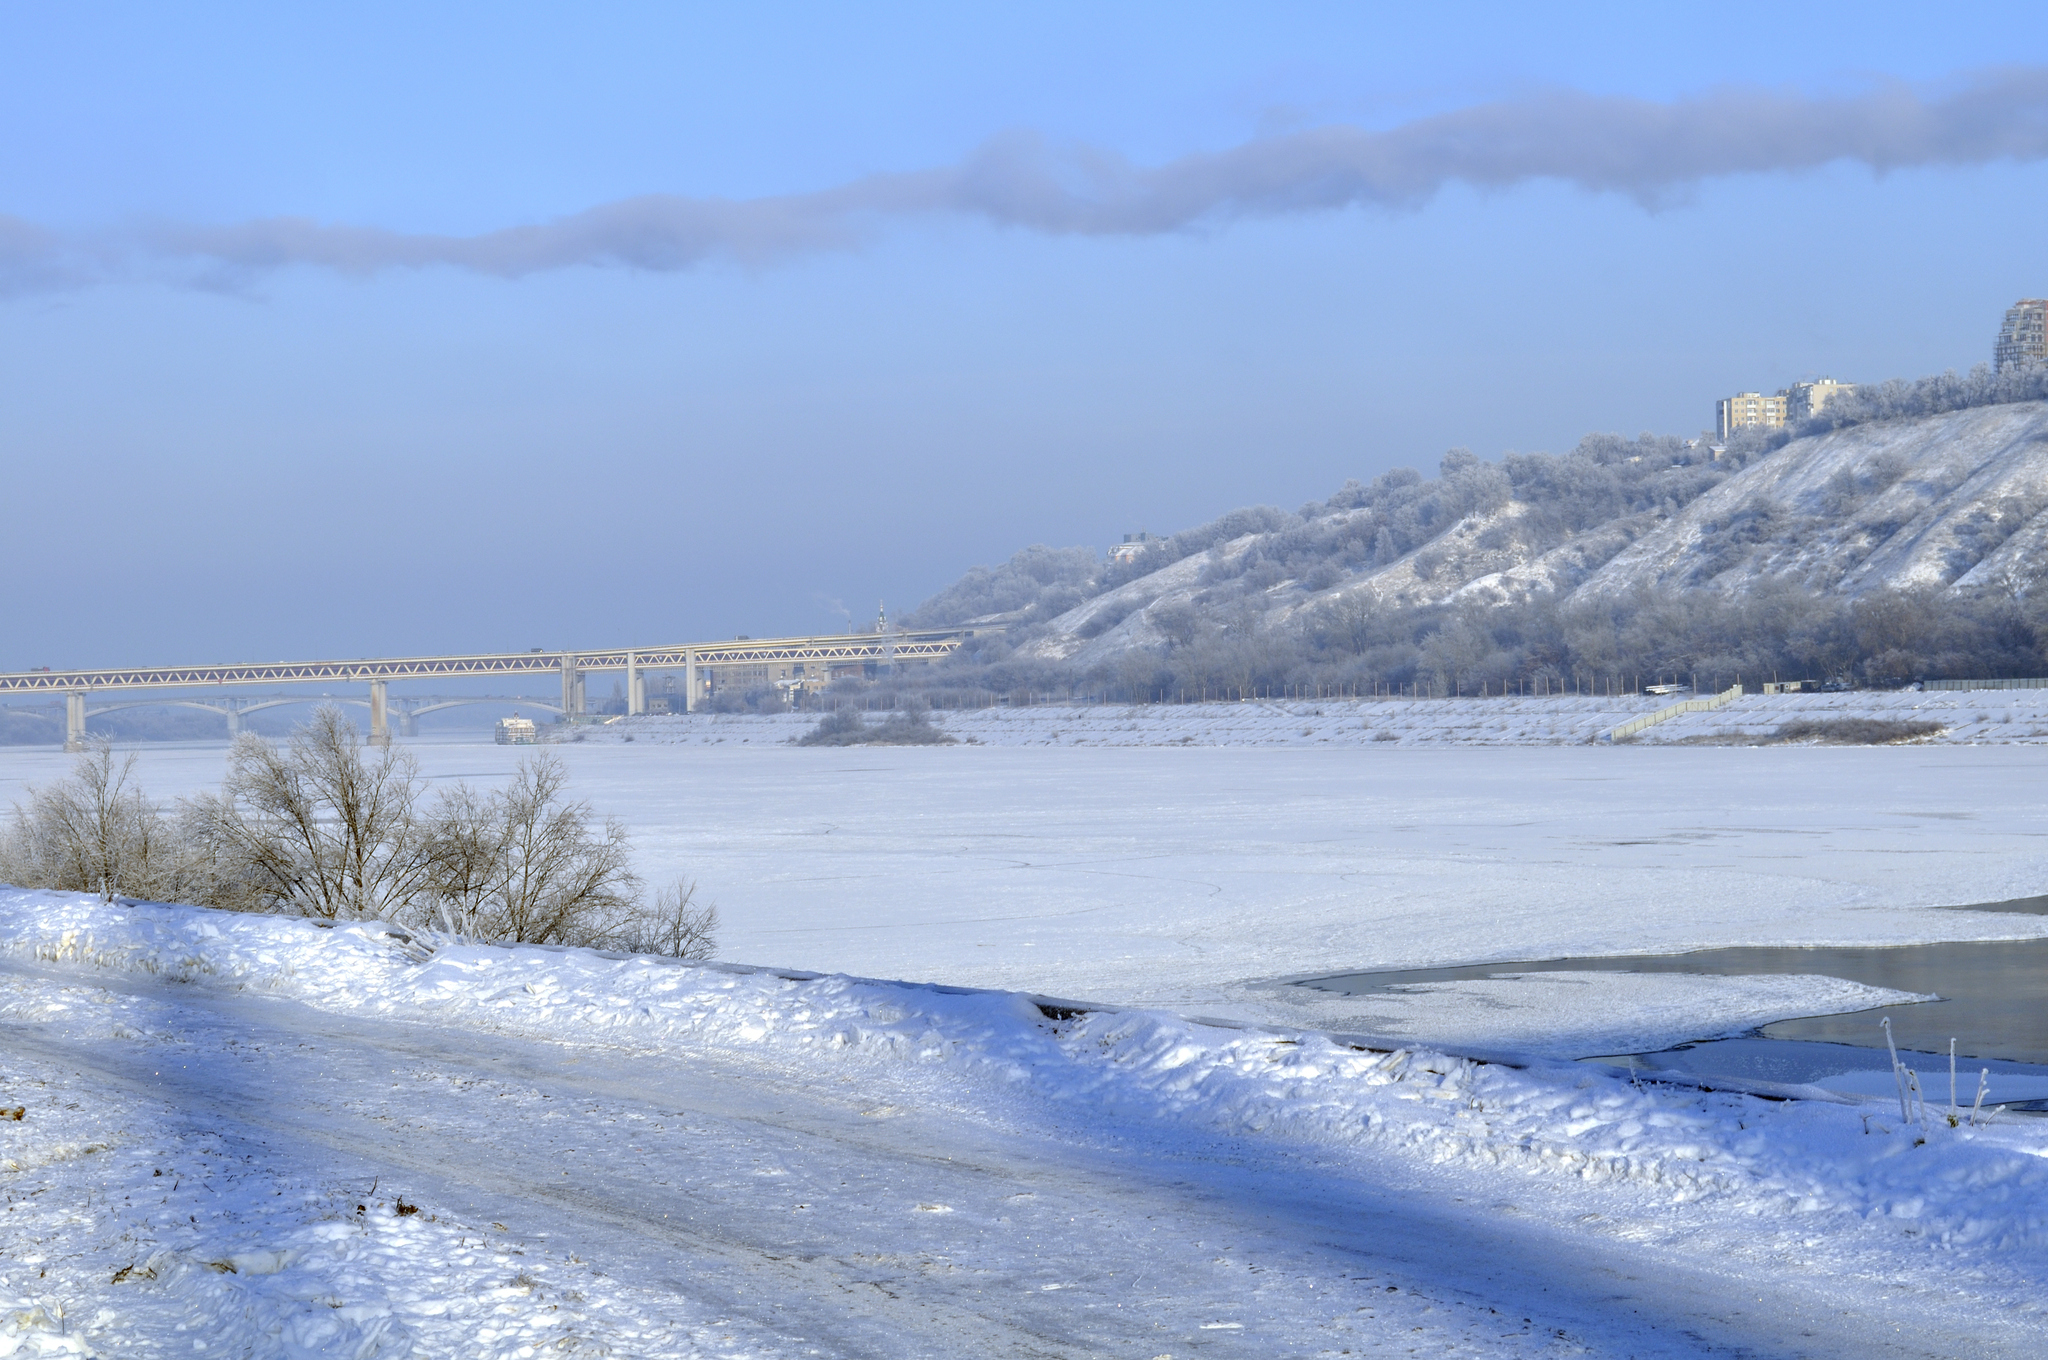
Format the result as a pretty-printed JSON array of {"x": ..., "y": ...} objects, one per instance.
[
  {"x": 1968, "y": 717},
  {"x": 1957, "y": 1187}
]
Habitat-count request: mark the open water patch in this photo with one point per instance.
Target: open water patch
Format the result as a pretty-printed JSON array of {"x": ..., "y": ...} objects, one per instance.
[{"x": 1991, "y": 999}]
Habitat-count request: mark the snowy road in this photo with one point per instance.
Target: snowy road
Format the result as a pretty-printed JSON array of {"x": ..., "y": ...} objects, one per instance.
[{"x": 666, "y": 1201}]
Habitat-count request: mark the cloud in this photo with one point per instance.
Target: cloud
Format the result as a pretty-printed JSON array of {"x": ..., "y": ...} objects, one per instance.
[
  {"x": 34, "y": 260},
  {"x": 1649, "y": 151}
]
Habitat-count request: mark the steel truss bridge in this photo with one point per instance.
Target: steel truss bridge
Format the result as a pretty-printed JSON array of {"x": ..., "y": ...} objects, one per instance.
[
  {"x": 404, "y": 709},
  {"x": 700, "y": 663}
]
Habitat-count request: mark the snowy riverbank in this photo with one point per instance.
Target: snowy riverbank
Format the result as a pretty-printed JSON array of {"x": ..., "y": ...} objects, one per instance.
[
  {"x": 1967, "y": 717},
  {"x": 1903, "y": 1222}
]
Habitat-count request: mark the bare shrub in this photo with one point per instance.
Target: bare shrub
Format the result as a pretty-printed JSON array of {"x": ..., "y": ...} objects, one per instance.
[
  {"x": 840, "y": 727},
  {"x": 1855, "y": 731},
  {"x": 910, "y": 726},
  {"x": 525, "y": 865},
  {"x": 319, "y": 827},
  {"x": 313, "y": 828},
  {"x": 92, "y": 831},
  {"x": 676, "y": 926}
]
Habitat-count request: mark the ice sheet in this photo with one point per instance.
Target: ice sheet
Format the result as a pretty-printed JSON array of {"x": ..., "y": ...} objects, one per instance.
[{"x": 1199, "y": 879}]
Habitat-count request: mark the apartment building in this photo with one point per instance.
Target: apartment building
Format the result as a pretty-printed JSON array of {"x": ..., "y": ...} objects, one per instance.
[
  {"x": 1804, "y": 399},
  {"x": 1749, "y": 410},
  {"x": 2023, "y": 339},
  {"x": 1753, "y": 410}
]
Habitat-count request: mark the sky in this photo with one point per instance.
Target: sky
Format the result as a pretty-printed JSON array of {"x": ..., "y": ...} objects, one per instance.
[{"x": 379, "y": 330}]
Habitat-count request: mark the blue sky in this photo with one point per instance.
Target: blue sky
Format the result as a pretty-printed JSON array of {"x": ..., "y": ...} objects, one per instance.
[{"x": 228, "y": 450}]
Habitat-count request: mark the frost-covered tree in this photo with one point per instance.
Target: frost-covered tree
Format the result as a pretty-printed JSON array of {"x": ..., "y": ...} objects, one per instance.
[
  {"x": 675, "y": 925},
  {"x": 314, "y": 827},
  {"x": 527, "y": 865},
  {"x": 94, "y": 831}
]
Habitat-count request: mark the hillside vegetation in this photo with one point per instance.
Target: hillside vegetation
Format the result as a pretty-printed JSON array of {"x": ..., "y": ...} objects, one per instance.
[{"x": 1897, "y": 537}]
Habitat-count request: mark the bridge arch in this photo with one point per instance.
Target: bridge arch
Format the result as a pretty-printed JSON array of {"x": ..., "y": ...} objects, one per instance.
[{"x": 160, "y": 703}]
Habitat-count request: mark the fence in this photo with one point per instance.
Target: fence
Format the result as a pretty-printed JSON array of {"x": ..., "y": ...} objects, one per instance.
[
  {"x": 1986, "y": 684},
  {"x": 1635, "y": 725}
]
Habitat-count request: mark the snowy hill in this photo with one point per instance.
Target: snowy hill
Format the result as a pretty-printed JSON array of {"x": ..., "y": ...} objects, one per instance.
[{"x": 1950, "y": 502}]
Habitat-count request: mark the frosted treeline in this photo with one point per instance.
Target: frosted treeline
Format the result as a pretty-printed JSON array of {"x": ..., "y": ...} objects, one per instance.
[{"x": 1353, "y": 645}]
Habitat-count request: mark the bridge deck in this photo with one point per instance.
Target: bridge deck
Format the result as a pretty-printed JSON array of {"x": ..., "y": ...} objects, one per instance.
[{"x": 908, "y": 646}]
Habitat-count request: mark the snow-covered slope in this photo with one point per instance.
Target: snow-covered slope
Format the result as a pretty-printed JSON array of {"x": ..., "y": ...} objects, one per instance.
[
  {"x": 1120, "y": 619},
  {"x": 1951, "y": 500},
  {"x": 1958, "y": 500}
]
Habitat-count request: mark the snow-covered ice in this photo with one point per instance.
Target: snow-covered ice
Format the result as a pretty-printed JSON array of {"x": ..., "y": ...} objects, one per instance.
[{"x": 1202, "y": 879}]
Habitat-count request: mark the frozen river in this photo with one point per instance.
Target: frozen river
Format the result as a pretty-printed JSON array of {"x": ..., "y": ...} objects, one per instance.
[
  {"x": 1202, "y": 879},
  {"x": 503, "y": 1152}
]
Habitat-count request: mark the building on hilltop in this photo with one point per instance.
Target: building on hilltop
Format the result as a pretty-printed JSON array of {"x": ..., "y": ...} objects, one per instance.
[
  {"x": 1789, "y": 405},
  {"x": 1749, "y": 410},
  {"x": 1807, "y": 399},
  {"x": 2023, "y": 339},
  {"x": 1132, "y": 547}
]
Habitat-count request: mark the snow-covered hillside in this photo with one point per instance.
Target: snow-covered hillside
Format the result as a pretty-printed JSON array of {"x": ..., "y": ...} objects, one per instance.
[{"x": 1951, "y": 501}]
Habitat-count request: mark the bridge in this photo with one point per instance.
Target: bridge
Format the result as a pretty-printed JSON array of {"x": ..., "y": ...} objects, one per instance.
[
  {"x": 408, "y": 709},
  {"x": 704, "y": 665}
]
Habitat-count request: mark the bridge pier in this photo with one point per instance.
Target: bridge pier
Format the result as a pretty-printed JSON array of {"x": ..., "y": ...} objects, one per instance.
[
  {"x": 74, "y": 720},
  {"x": 690, "y": 680},
  {"x": 572, "y": 690},
  {"x": 234, "y": 712},
  {"x": 380, "y": 714},
  {"x": 636, "y": 696}
]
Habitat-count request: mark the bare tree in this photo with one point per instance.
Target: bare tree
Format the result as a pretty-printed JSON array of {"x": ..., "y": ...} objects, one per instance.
[
  {"x": 319, "y": 827},
  {"x": 466, "y": 851},
  {"x": 92, "y": 831},
  {"x": 314, "y": 827},
  {"x": 526, "y": 865},
  {"x": 676, "y": 926}
]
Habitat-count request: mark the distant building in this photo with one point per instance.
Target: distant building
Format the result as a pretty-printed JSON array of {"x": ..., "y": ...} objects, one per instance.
[
  {"x": 1806, "y": 399},
  {"x": 1133, "y": 547},
  {"x": 2023, "y": 339},
  {"x": 1789, "y": 405},
  {"x": 1747, "y": 411},
  {"x": 517, "y": 731}
]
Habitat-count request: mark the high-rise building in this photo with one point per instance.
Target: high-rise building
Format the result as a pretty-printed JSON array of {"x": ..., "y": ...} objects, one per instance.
[
  {"x": 2023, "y": 339},
  {"x": 1749, "y": 410}
]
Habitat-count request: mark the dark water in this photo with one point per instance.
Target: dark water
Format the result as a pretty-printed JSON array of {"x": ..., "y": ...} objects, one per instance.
[
  {"x": 1850, "y": 1069},
  {"x": 2018, "y": 906},
  {"x": 1994, "y": 992}
]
